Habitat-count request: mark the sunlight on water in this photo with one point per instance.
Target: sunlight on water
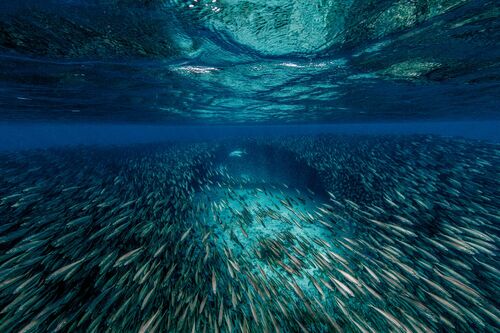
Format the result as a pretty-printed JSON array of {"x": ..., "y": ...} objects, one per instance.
[{"x": 279, "y": 61}]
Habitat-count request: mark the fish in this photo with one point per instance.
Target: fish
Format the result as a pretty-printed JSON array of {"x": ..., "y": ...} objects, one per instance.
[
  {"x": 237, "y": 153},
  {"x": 214, "y": 283},
  {"x": 387, "y": 233}
]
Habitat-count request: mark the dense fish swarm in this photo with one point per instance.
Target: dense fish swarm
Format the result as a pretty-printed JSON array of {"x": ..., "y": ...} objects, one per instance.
[{"x": 300, "y": 234}]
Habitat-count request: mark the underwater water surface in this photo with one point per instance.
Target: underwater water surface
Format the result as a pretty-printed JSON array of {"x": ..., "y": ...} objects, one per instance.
[
  {"x": 248, "y": 61},
  {"x": 249, "y": 166}
]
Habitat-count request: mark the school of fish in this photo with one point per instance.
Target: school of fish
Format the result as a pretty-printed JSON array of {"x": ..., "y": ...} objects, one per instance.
[{"x": 400, "y": 234}]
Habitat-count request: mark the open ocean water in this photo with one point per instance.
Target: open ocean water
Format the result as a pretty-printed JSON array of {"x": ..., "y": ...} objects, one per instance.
[{"x": 249, "y": 166}]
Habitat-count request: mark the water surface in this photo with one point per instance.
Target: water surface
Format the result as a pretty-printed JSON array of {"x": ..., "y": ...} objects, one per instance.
[{"x": 233, "y": 62}]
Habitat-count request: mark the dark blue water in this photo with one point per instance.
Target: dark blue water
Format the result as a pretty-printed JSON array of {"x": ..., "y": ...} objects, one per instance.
[
  {"x": 15, "y": 136},
  {"x": 249, "y": 166}
]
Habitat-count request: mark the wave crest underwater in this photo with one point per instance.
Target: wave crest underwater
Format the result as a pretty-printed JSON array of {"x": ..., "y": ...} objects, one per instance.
[{"x": 273, "y": 61}]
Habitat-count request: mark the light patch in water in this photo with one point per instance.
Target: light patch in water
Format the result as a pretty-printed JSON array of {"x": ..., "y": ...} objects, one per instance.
[
  {"x": 198, "y": 69},
  {"x": 252, "y": 219}
]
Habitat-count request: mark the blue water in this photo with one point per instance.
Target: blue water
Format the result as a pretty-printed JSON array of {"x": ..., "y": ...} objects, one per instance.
[
  {"x": 249, "y": 166},
  {"x": 22, "y": 136},
  {"x": 248, "y": 62}
]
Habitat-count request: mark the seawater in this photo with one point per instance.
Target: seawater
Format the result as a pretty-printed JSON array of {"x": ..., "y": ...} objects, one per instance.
[{"x": 249, "y": 166}]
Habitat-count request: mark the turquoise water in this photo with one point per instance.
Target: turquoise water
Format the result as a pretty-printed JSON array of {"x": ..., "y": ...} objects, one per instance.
[{"x": 249, "y": 166}]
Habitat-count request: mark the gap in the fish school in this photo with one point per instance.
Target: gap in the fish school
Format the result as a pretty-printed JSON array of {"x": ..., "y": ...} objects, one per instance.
[
  {"x": 261, "y": 197},
  {"x": 16, "y": 136}
]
